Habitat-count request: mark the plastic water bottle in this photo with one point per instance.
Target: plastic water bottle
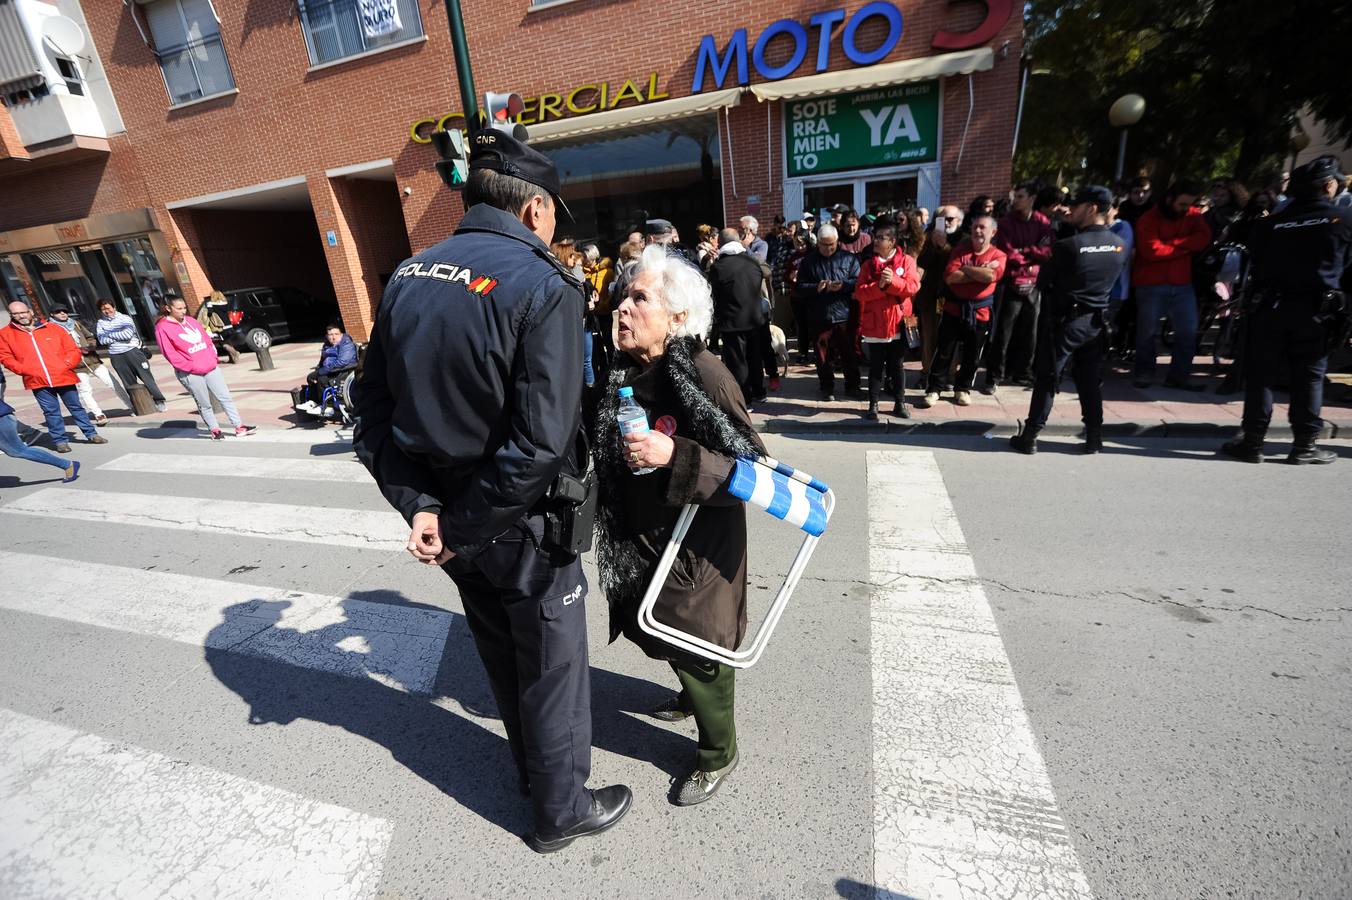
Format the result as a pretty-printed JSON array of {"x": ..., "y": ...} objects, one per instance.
[{"x": 633, "y": 420}]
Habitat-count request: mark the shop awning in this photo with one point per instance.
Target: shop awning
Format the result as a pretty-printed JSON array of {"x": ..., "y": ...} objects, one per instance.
[
  {"x": 886, "y": 75},
  {"x": 19, "y": 67},
  {"x": 629, "y": 116}
]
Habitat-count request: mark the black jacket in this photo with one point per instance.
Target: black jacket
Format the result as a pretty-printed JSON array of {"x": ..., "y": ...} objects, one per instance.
[
  {"x": 1305, "y": 248},
  {"x": 1083, "y": 270},
  {"x": 736, "y": 281},
  {"x": 469, "y": 399},
  {"x": 831, "y": 306}
]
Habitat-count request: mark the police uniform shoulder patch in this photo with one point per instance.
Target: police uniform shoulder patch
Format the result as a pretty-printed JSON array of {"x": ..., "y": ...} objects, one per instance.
[{"x": 449, "y": 272}]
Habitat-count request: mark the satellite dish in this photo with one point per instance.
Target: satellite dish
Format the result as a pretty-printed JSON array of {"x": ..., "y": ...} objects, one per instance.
[{"x": 64, "y": 34}]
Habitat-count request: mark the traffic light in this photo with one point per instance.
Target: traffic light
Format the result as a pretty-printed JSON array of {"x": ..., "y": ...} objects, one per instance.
[
  {"x": 501, "y": 109},
  {"x": 452, "y": 167}
]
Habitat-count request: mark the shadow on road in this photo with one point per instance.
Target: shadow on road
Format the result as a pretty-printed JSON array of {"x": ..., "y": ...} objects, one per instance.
[
  {"x": 459, "y": 757},
  {"x": 858, "y": 890}
]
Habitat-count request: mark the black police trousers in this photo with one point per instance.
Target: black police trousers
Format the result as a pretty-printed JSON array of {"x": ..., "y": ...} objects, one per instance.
[
  {"x": 1079, "y": 342},
  {"x": 1288, "y": 334},
  {"x": 526, "y": 609}
]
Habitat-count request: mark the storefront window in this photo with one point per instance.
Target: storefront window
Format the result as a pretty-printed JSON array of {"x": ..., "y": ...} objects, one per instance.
[
  {"x": 141, "y": 285},
  {"x": 12, "y": 285},
  {"x": 614, "y": 182}
]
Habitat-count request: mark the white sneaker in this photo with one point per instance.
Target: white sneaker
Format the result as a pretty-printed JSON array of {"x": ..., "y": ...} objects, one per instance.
[
  {"x": 931, "y": 398},
  {"x": 160, "y": 406},
  {"x": 309, "y": 406},
  {"x": 962, "y": 398}
]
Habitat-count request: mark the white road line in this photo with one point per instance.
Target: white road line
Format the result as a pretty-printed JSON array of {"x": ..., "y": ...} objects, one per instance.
[
  {"x": 210, "y": 466},
  {"x": 261, "y": 436},
  {"x": 398, "y": 646},
  {"x": 372, "y": 530},
  {"x": 963, "y": 807},
  {"x": 91, "y": 818}
]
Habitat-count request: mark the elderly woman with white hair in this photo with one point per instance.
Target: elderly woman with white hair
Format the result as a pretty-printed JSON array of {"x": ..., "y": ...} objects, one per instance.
[{"x": 699, "y": 427}]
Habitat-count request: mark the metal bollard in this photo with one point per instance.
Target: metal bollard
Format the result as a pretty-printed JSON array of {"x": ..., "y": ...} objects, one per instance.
[{"x": 264, "y": 356}]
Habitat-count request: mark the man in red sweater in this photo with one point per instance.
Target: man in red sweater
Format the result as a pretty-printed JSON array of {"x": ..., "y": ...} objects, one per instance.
[
  {"x": 1026, "y": 238},
  {"x": 973, "y": 271},
  {"x": 1168, "y": 236}
]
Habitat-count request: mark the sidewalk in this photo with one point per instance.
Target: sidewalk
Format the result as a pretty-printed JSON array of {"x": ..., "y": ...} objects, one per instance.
[{"x": 264, "y": 399}]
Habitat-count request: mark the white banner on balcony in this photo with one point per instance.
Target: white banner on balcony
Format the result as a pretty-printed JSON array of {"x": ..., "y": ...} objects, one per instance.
[{"x": 379, "y": 17}]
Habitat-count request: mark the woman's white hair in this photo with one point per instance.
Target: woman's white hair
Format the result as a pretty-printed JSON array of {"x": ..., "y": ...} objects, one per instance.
[{"x": 684, "y": 289}]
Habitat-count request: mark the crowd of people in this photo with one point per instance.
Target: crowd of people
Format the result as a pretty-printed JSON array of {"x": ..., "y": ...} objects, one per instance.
[{"x": 957, "y": 290}]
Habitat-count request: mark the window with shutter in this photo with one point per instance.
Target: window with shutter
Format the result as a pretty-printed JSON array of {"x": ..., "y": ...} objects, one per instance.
[{"x": 187, "y": 40}]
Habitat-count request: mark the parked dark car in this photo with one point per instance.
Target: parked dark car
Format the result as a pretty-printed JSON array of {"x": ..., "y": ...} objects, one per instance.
[{"x": 256, "y": 318}]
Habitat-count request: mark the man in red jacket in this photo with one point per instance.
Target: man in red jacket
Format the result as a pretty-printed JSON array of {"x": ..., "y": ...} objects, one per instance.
[
  {"x": 1026, "y": 238},
  {"x": 1167, "y": 238},
  {"x": 46, "y": 356}
]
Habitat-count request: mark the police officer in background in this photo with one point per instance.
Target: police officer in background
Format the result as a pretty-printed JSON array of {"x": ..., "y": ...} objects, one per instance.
[
  {"x": 1299, "y": 272},
  {"x": 1075, "y": 284},
  {"x": 469, "y": 418}
]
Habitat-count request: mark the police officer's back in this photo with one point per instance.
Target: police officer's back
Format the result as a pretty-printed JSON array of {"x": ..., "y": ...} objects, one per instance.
[
  {"x": 1075, "y": 284},
  {"x": 468, "y": 417},
  {"x": 1300, "y": 260}
]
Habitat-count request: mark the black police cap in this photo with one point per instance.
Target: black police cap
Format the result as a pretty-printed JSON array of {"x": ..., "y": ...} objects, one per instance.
[
  {"x": 500, "y": 152},
  {"x": 1096, "y": 194},
  {"x": 1314, "y": 173}
]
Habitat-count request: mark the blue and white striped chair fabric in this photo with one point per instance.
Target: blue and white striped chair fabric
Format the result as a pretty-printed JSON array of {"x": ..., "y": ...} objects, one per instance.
[
  {"x": 785, "y": 493},
  {"x": 782, "y": 491}
]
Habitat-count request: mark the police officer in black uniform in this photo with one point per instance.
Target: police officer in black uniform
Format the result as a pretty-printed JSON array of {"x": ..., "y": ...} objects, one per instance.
[
  {"x": 1300, "y": 266},
  {"x": 469, "y": 409},
  {"x": 1083, "y": 269}
]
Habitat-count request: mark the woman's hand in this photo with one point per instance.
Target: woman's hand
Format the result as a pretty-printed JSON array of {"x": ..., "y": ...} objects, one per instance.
[{"x": 651, "y": 449}]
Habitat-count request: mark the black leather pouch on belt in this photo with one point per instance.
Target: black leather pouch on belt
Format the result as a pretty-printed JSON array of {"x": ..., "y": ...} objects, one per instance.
[{"x": 569, "y": 508}]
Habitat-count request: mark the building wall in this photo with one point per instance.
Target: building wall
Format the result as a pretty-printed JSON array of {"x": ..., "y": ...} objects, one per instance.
[
  {"x": 289, "y": 120},
  {"x": 253, "y": 249}
]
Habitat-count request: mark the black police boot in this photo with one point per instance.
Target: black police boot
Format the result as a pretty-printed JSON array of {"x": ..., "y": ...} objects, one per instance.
[
  {"x": 872, "y": 413},
  {"x": 1026, "y": 441},
  {"x": 609, "y": 804},
  {"x": 1093, "y": 439},
  {"x": 1248, "y": 447},
  {"x": 1305, "y": 453}
]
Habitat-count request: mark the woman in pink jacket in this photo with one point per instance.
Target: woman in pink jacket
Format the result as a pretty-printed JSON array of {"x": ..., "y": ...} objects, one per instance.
[
  {"x": 887, "y": 281},
  {"x": 187, "y": 346}
]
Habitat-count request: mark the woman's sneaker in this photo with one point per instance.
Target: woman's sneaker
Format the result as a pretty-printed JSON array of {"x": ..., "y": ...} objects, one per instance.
[
  {"x": 243, "y": 430},
  {"x": 160, "y": 406},
  {"x": 72, "y": 472},
  {"x": 216, "y": 435}
]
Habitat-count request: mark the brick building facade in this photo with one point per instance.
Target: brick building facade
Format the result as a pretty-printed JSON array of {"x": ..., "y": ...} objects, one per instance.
[{"x": 314, "y": 172}]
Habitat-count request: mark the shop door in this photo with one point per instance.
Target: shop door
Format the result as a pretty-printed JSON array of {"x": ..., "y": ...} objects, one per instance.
[{"x": 891, "y": 193}]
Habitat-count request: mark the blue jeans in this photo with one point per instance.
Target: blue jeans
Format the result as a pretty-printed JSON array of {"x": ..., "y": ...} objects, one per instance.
[
  {"x": 588, "y": 373},
  {"x": 1179, "y": 303},
  {"x": 50, "y": 400},
  {"x": 11, "y": 445}
]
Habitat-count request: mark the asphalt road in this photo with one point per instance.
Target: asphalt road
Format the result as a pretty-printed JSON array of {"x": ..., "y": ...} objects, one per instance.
[{"x": 221, "y": 676}]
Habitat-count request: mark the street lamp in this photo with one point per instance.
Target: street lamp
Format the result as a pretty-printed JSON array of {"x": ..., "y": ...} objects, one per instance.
[{"x": 1125, "y": 112}]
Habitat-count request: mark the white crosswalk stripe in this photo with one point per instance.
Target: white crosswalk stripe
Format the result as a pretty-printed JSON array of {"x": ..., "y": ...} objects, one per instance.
[
  {"x": 207, "y": 466},
  {"x": 91, "y": 818},
  {"x": 963, "y": 807},
  {"x": 399, "y": 646},
  {"x": 373, "y": 530}
]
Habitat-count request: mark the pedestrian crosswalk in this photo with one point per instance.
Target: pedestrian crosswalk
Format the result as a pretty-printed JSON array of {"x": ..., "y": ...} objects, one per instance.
[
  {"x": 86, "y": 816},
  {"x": 89, "y": 817},
  {"x": 962, "y": 804}
]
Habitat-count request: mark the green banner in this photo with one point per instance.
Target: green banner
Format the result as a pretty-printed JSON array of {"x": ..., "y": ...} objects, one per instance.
[{"x": 880, "y": 127}]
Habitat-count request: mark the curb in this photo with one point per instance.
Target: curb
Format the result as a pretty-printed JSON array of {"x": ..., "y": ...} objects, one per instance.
[{"x": 965, "y": 427}]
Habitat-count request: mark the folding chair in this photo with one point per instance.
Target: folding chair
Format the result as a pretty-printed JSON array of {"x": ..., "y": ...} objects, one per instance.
[{"x": 784, "y": 493}]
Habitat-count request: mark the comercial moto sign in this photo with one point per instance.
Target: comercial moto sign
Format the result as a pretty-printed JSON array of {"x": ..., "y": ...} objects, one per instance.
[{"x": 882, "y": 127}]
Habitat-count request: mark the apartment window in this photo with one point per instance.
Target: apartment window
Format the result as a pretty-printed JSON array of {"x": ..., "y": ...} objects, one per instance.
[
  {"x": 335, "y": 29},
  {"x": 70, "y": 73},
  {"x": 187, "y": 38}
]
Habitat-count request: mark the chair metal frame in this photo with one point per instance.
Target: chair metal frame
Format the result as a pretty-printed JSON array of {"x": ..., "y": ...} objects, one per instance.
[{"x": 751, "y": 653}]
